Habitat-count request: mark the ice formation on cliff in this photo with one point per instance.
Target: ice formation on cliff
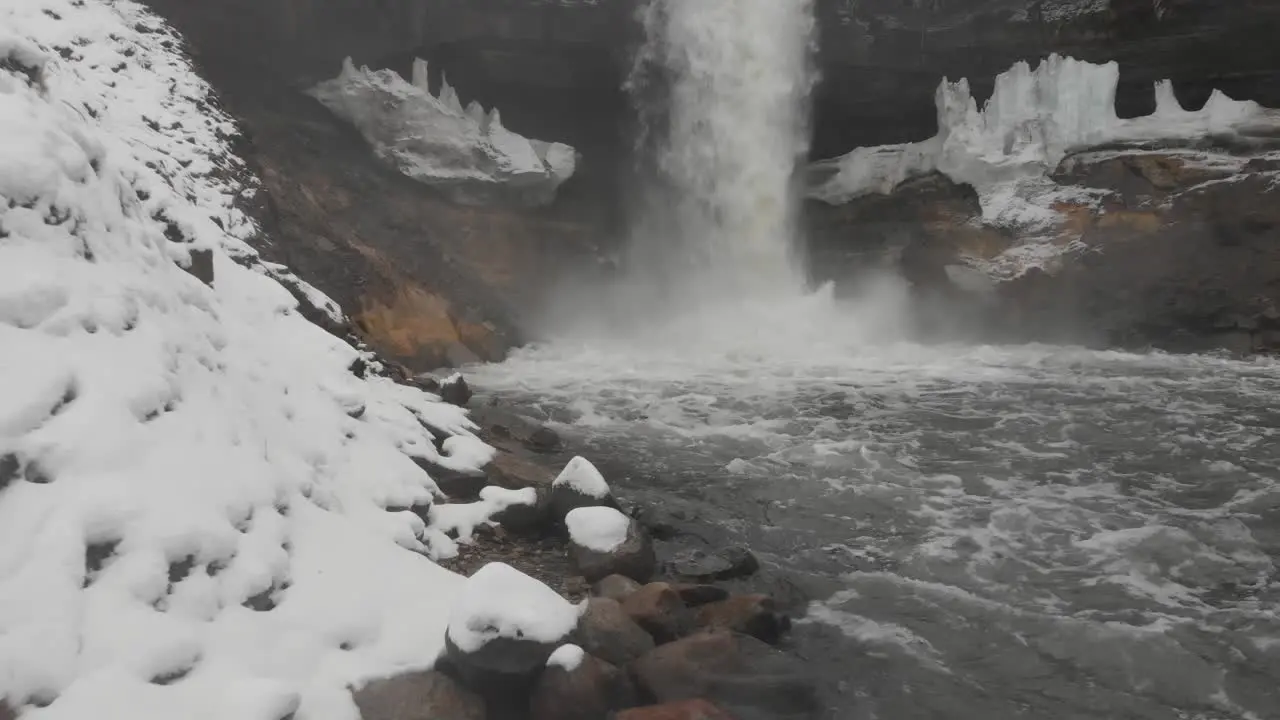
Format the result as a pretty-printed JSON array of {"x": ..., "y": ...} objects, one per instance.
[
  {"x": 1033, "y": 119},
  {"x": 464, "y": 152}
]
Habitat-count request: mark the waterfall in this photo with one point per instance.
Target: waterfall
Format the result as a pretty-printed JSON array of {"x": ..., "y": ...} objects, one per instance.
[{"x": 723, "y": 87}]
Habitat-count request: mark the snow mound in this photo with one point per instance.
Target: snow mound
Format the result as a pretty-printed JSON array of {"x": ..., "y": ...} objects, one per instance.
[
  {"x": 464, "y": 152},
  {"x": 502, "y": 602},
  {"x": 193, "y": 483},
  {"x": 462, "y": 519},
  {"x": 580, "y": 475},
  {"x": 567, "y": 657},
  {"x": 1034, "y": 118},
  {"x": 601, "y": 529}
]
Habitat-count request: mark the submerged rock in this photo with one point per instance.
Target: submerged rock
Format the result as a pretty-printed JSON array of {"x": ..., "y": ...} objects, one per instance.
[
  {"x": 754, "y": 615},
  {"x": 470, "y": 157},
  {"x": 724, "y": 564},
  {"x": 741, "y": 674},
  {"x": 426, "y": 695},
  {"x": 697, "y": 709}
]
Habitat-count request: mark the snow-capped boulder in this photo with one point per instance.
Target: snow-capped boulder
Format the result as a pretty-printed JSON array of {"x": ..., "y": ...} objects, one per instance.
[
  {"x": 604, "y": 542},
  {"x": 578, "y": 686},
  {"x": 463, "y": 152},
  {"x": 580, "y": 484},
  {"x": 504, "y": 627}
]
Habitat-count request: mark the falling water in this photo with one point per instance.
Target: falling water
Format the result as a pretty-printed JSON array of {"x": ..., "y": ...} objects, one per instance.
[{"x": 734, "y": 77}]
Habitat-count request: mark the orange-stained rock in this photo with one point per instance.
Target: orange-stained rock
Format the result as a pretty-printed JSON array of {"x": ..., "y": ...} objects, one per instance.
[
  {"x": 697, "y": 709},
  {"x": 657, "y": 608}
]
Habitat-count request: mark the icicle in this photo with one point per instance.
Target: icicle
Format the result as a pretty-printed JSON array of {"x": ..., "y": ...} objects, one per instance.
[
  {"x": 348, "y": 68},
  {"x": 492, "y": 123},
  {"x": 1166, "y": 100},
  {"x": 475, "y": 111},
  {"x": 421, "y": 79},
  {"x": 449, "y": 96}
]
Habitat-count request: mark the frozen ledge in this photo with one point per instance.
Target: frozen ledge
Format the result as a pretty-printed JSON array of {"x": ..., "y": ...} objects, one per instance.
[{"x": 465, "y": 153}]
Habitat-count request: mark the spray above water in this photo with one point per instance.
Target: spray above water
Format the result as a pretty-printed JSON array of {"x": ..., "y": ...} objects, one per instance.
[{"x": 720, "y": 217}]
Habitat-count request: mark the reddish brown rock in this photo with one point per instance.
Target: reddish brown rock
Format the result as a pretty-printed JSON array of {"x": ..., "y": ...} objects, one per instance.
[
  {"x": 588, "y": 691},
  {"x": 427, "y": 695},
  {"x": 697, "y": 709},
  {"x": 607, "y": 632},
  {"x": 695, "y": 595},
  {"x": 739, "y": 673},
  {"x": 658, "y": 609},
  {"x": 615, "y": 587},
  {"x": 754, "y": 615}
]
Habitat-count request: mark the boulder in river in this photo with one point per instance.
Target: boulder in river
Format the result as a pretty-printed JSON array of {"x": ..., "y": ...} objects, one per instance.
[
  {"x": 528, "y": 520},
  {"x": 503, "y": 628},
  {"x": 580, "y": 484},
  {"x": 754, "y": 615},
  {"x": 746, "y": 677},
  {"x": 455, "y": 390},
  {"x": 608, "y": 632},
  {"x": 423, "y": 695},
  {"x": 658, "y": 609},
  {"x": 604, "y": 542},
  {"x": 578, "y": 686},
  {"x": 724, "y": 564}
]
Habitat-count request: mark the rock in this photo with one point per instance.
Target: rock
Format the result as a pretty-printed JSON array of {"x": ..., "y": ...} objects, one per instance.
[
  {"x": 694, "y": 595},
  {"x": 604, "y": 542},
  {"x": 754, "y": 615},
  {"x": 578, "y": 686},
  {"x": 503, "y": 628},
  {"x": 697, "y": 709},
  {"x": 615, "y": 587},
  {"x": 580, "y": 484},
  {"x": 202, "y": 265},
  {"x": 746, "y": 677},
  {"x": 509, "y": 470},
  {"x": 543, "y": 440},
  {"x": 455, "y": 391},
  {"x": 527, "y": 520},
  {"x": 608, "y": 632},
  {"x": 426, "y": 695},
  {"x": 457, "y": 484},
  {"x": 658, "y": 609},
  {"x": 725, "y": 564}
]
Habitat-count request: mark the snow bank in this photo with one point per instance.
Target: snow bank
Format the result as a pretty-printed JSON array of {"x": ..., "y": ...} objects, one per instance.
[
  {"x": 1033, "y": 119},
  {"x": 502, "y": 602},
  {"x": 601, "y": 529},
  {"x": 464, "y": 152},
  {"x": 580, "y": 475},
  {"x": 192, "y": 483}
]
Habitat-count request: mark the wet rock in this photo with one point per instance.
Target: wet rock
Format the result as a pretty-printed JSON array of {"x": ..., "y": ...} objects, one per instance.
[
  {"x": 513, "y": 472},
  {"x": 695, "y": 595},
  {"x": 543, "y": 440},
  {"x": 604, "y": 542},
  {"x": 201, "y": 266},
  {"x": 697, "y": 709},
  {"x": 503, "y": 628},
  {"x": 578, "y": 686},
  {"x": 741, "y": 674},
  {"x": 527, "y": 520},
  {"x": 457, "y": 484},
  {"x": 615, "y": 587},
  {"x": 725, "y": 564},
  {"x": 662, "y": 524},
  {"x": 754, "y": 615},
  {"x": 455, "y": 391},
  {"x": 425, "y": 382},
  {"x": 608, "y": 632},
  {"x": 658, "y": 609},
  {"x": 580, "y": 484},
  {"x": 427, "y": 695}
]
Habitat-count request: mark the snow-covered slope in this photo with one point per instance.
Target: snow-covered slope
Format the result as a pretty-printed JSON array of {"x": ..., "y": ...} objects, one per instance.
[
  {"x": 464, "y": 152},
  {"x": 193, "y": 483}
]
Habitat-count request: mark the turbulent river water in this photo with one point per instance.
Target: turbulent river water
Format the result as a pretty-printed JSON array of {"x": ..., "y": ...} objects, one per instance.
[{"x": 996, "y": 532}]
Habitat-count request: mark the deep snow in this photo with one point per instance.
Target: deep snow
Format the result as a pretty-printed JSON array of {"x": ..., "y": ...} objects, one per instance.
[{"x": 193, "y": 484}]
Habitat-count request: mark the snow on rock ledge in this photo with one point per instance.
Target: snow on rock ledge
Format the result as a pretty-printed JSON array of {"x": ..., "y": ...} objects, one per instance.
[
  {"x": 464, "y": 152},
  {"x": 193, "y": 484}
]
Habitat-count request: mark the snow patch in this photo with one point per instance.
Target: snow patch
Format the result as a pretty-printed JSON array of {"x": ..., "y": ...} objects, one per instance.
[
  {"x": 462, "y": 519},
  {"x": 567, "y": 658},
  {"x": 601, "y": 529},
  {"x": 502, "y": 602},
  {"x": 431, "y": 138},
  {"x": 582, "y": 476}
]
